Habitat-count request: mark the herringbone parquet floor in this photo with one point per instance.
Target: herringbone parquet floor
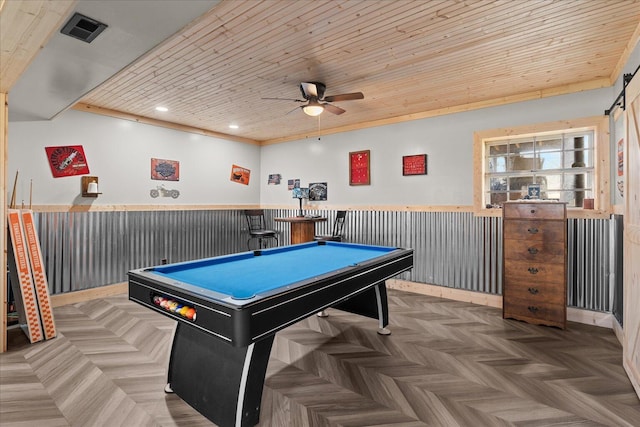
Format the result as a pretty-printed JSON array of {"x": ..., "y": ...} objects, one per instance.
[{"x": 446, "y": 363}]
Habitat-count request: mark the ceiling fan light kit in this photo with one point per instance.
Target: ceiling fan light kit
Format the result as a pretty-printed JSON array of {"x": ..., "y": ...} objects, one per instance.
[
  {"x": 313, "y": 109},
  {"x": 317, "y": 103}
]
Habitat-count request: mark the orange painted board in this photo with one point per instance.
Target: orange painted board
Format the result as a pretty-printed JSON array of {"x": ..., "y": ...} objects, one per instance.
[
  {"x": 22, "y": 282},
  {"x": 38, "y": 274}
]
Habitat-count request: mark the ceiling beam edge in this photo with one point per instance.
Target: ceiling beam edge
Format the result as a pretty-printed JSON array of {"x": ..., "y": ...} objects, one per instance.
[
  {"x": 528, "y": 96},
  {"x": 626, "y": 54},
  {"x": 161, "y": 123}
]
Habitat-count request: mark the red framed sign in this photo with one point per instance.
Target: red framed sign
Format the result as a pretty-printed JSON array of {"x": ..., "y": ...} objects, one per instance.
[
  {"x": 359, "y": 167},
  {"x": 67, "y": 160},
  {"x": 414, "y": 165}
]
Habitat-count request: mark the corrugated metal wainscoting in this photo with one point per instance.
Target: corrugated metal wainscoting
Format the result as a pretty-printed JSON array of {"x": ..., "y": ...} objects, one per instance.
[
  {"x": 452, "y": 249},
  {"x": 83, "y": 250}
]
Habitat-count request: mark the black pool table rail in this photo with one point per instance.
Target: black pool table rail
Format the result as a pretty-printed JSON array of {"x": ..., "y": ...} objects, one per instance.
[{"x": 246, "y": 321}]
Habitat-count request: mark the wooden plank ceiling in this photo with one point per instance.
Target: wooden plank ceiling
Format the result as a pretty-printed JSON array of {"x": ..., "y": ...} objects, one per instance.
[{"x": 410, "y": 59}]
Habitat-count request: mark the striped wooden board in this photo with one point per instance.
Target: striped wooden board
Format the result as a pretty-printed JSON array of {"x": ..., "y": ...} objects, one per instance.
[
  {"x": 39, "y": 275},
  {"x": 21, "y": 280}
]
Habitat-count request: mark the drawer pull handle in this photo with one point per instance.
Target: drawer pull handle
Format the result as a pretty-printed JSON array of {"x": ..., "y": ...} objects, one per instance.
[
  {"x": 533, "y": 211},
  {"x": 532, "y": 309},
  {"x": 533, "y": 270},
  {"x": 533, "y": 251},
  {"x": 532, "y": 230},
  {"x": 533, "y": 291}
]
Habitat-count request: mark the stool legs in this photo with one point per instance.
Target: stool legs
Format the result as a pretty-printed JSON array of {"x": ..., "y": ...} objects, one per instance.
[{"x": 262, "y": 242}]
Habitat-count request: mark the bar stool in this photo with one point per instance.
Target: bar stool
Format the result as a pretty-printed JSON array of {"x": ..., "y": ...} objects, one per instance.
[
  {"x": 338, "y": 227},
  {"x": 257, "y": 228}
]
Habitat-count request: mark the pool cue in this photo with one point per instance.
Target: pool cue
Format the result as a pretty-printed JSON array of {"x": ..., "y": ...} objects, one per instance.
[
  {"x": 12, "y": 203},
  {"x": 30, "y": 193}
]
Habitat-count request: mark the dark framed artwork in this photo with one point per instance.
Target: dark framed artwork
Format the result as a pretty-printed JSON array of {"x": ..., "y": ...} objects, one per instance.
[
  {"x": 318, "y": 191},
  {"x": 533, "y": 191},
  {"x": 360, "y": 167},
  {"x": 414, "y": 165}
]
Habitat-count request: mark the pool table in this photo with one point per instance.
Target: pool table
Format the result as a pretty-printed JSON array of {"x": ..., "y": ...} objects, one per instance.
[{"x": 229, "y": 308}]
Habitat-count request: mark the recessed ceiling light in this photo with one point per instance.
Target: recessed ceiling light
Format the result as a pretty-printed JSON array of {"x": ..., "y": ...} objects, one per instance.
[
  {"x": 234, "y": 127},
  {"x": 162, "y": 109}
]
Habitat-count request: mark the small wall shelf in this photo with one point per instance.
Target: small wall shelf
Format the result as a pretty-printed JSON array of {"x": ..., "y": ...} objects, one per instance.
[{"x": 86, "y": 183}]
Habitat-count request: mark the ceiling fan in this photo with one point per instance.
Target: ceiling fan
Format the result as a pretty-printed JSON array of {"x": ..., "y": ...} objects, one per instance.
[{"x": 316, "y": 102}]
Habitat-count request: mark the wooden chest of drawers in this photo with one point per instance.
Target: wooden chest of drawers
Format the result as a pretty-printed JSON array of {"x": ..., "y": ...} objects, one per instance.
[{"x": 535, "y": 262}]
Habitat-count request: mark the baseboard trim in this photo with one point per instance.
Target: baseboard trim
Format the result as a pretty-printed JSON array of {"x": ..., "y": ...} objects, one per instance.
[
  {"x": 448, "y": 293},
  {"x": 59, "y": 300},
  {"x": 587, "y": 317},
  {"x": 617, "y": 328}
]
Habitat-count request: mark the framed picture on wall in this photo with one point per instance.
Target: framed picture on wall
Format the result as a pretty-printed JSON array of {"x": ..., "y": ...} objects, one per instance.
[
  {"x": 165, "y": 170},
  {"x": 67, "y": 160},
  {"x": 274, "y": 179},
  {"x": 293, "y": 183},
  {"x": 240, "y": 175},
  {"x": 414, "y": 165},
  {"x": 621, "y": 157},
  {"x": 318, "y": 191},
  {"x": 359, "y": 167}
]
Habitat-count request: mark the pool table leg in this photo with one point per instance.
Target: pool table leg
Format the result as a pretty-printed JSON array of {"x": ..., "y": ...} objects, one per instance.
[
  {"x": 383, "y": 308},
  {"x": 371, "y": 303},
  {"x": 222, "y": 382}
]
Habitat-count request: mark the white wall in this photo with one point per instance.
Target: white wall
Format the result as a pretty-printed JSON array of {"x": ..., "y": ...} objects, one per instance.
[
  {"x": 119, "y": 152},
  {"x": 447, "y": 140}
]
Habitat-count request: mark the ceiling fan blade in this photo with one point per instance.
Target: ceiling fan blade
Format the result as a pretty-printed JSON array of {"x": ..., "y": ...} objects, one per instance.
[
  {"x": 293, "y": 110},
  {"x": 344, "y": 97},
  {"x": 333, "y": 109},
  {"x": 309, "y": 89},
  {"x": 287, "y": 99}
]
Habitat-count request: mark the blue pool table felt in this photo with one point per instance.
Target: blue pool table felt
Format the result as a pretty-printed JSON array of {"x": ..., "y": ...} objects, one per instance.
[{"x": 245, "y": 275}]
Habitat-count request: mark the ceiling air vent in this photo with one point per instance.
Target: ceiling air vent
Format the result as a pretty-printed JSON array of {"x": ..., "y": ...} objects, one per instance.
[{"x": 83, "y": 28}]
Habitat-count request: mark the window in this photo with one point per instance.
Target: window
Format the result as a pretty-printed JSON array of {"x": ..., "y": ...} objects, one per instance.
[
  {"x": 568, "y": 160},
  {"x": 562, "y": 164}
]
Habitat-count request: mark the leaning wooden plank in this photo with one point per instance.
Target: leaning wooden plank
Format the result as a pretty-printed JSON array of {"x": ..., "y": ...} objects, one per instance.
[
  {"x": 39, "y": 275},
  {"x": 21, "y": 280}
]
